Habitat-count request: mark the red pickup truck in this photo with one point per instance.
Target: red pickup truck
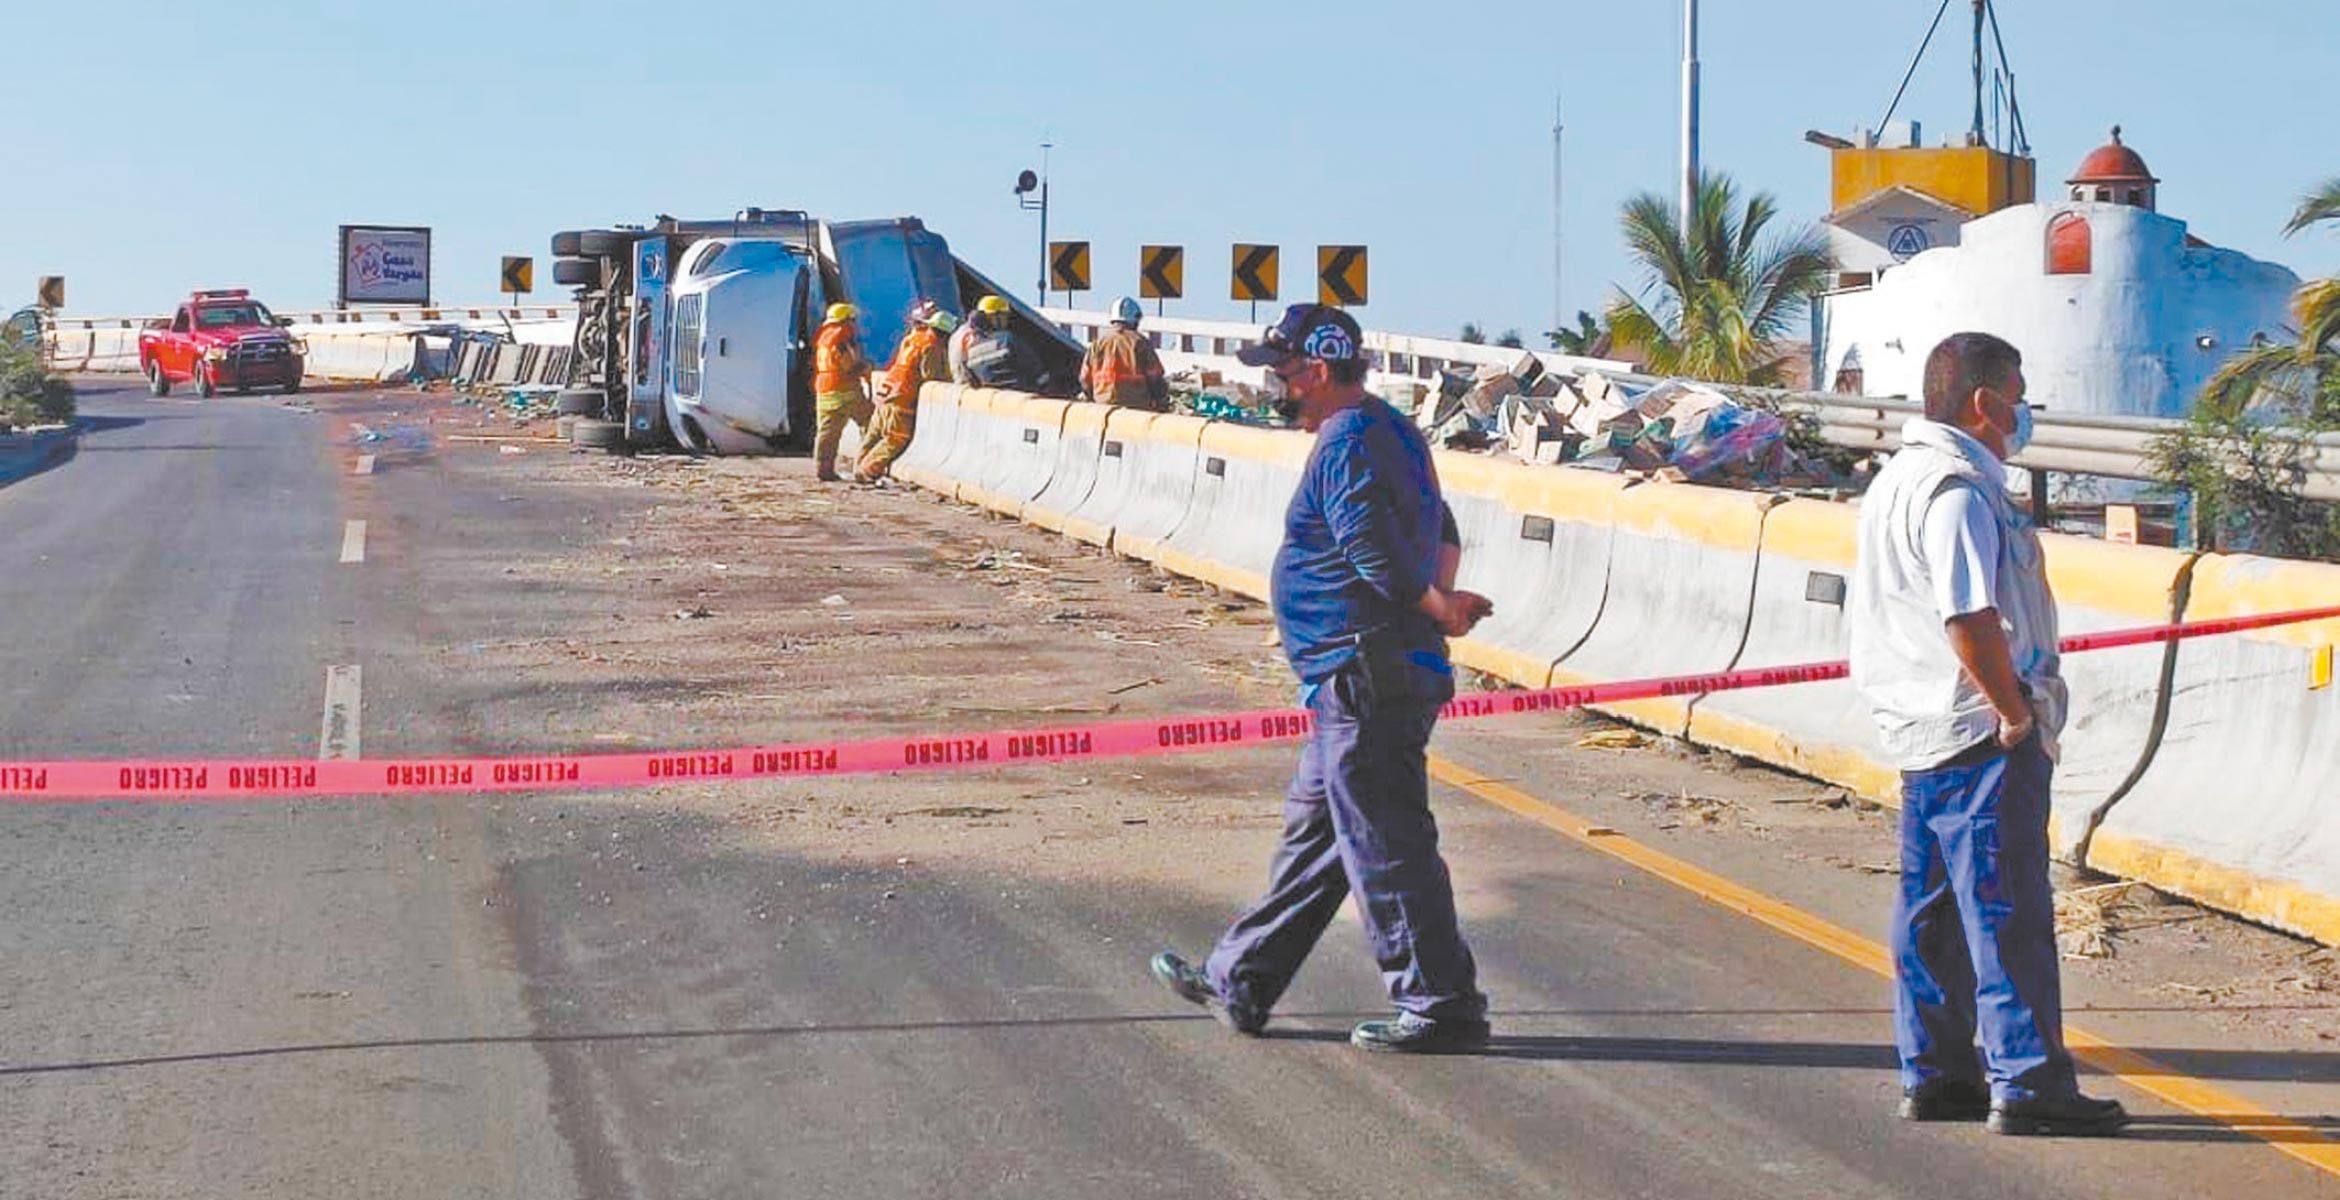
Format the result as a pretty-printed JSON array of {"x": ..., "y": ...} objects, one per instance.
[{"x": 219, "y": 339}]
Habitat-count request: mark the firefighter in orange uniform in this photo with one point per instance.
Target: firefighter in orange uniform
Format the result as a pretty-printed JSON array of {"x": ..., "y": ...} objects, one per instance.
[
  {"x": 922, "y": 358},
  {"x": 840, "y": 387},
  {"x": 1122, "y": 368}
]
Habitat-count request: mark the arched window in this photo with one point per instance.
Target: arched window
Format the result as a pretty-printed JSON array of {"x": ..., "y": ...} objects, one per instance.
[{"x": 2069, "y": 245}]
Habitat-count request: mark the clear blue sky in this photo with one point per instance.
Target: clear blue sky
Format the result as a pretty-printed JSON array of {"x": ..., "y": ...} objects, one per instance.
[{"x": 160, "y": 146}]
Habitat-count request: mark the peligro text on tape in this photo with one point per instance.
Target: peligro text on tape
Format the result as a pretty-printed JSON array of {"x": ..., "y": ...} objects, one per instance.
[{"x": 156, "y": 780}]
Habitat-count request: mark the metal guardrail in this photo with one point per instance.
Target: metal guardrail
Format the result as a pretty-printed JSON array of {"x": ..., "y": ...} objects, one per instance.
[
  {"x": 344, "y": 316},
  {"x": 1394, "y": 353},
  {"x": 2072, "y": 444}
]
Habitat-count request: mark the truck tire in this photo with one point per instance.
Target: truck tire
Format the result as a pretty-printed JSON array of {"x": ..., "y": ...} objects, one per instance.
[
  {"x": 564, "y": 244},
  {"x": 580, "y": 402},
  {"x": 591, "y": 434},
  {"x": 157, "y": 383},
  {"x": 293, "y": 387},
  {"x": 605, "y": 243},
  {"x": 577, "y": 272},
  {"x": 202, "y": 382}
]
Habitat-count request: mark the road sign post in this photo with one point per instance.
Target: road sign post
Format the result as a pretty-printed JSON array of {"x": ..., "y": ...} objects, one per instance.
[
  {"x": 1068, "y": 266},
  {"x": 1161, "y": 274},
  {"x": 1254, "y": 275},
  {"x": 1340, "y": 276},
  {"x": 519, "y": 276}
]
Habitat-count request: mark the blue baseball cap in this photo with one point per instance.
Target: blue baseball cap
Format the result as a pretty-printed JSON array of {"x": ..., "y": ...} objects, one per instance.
[{"x": 1308, "y": 331}]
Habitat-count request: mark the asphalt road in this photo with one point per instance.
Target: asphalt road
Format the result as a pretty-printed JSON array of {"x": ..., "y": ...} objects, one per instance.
[{"x": 916, "y": 987}]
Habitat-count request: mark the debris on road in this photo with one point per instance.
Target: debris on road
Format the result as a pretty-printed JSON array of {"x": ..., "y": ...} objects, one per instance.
[
  {"x": 2089, "y": 920},
  {"x": 1613, "y": 739}
]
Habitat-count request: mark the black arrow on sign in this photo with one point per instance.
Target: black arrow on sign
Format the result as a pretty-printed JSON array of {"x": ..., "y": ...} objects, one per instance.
[
  {"x": 1336, "y": 275},
  {"x": 1067, "y": 267},
  {"x": 1247, "y": 271},
  {"x": 516, "y": 274},
  {"x": 1157, "y": 272}
]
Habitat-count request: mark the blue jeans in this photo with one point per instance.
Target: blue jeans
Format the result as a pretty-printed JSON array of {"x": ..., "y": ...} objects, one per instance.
[
  {"x": 1974, "y": 937},
  {"x": 1357, "y": 815}
]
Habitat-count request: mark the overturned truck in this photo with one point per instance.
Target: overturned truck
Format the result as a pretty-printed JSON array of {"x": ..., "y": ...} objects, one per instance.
[{"x": 699, "y": 334}]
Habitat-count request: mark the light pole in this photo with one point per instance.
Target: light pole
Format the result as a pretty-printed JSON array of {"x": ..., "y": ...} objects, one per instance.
[
  {"x": 1689, "y": 109},
  {"x": 1559, "y": 306},
  {"x": 1026, "y": 184}
]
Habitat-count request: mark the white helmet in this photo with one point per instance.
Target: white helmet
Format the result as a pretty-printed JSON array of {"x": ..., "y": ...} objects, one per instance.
[{"x": 1127, "y": 312}]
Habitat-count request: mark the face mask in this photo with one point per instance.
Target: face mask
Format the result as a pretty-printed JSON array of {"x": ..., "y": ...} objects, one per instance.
[
  {"x": 1279, "y": 396},
  {"x": 2020, "y": 436}
]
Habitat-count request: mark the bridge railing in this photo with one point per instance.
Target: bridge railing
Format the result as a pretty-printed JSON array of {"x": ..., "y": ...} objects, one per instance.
[{"x": 2074, "y": 444}]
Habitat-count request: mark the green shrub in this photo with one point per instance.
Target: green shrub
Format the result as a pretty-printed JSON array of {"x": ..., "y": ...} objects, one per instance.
[
  {"x": 29, "y": 395},
  {"x": 2244, "y": 474}
]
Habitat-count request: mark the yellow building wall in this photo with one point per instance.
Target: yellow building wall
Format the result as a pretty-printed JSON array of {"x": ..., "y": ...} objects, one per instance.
[{"x": 1976, "y": 178}]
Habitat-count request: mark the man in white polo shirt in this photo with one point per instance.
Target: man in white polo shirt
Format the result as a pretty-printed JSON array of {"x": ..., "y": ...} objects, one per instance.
[{"x": 1954, "y": 648}]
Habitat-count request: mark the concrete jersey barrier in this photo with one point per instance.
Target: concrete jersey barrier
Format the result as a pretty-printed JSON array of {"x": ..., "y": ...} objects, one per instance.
[
  {"x": 2229, "y": 802},
  {"x": 1680, "y": 593},
  {"x": 2239, "y": 809},
  {"x": 948, "y": 464},
  {"x": 1019, "y": 451},
  {"x": 1080, "y": 448},
  {"x": 934, "y": 439},
  {"x": 1803, "y": 572},
  {"x": 1235, "y": 520},
  {"x": 1536, "y": 541},
  {"x": 1161, "y": 461},
  {"x": 1093, "y": 517}
]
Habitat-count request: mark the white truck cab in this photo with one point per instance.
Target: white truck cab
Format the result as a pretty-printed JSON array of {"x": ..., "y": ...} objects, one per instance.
[
  {"x": 700, "y": 333},
  {"x": 741, "y": 315}
]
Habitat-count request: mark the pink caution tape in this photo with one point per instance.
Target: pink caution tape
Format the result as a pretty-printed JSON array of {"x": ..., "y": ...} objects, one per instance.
[{"x": 237, "y": 779}]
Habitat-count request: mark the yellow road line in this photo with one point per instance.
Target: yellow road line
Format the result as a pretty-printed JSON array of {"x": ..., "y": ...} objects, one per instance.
[{"x": 2301, "y": 1141}]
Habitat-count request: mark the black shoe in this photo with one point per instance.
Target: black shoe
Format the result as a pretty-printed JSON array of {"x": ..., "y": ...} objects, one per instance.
[
  {"x": 1188, "y": 983},
  {"x": 2060, "y": 1116},
  {"x": 1943, "y": 1099},
  {"x": 1412, "y": 1034}
]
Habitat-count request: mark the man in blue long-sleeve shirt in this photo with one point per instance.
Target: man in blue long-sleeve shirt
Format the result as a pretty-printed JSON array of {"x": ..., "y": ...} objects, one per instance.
[{"x": 1363, "y": 594}]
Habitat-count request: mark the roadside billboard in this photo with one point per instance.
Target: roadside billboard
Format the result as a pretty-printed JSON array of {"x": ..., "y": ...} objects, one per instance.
[{"x": 385, "y": 264}]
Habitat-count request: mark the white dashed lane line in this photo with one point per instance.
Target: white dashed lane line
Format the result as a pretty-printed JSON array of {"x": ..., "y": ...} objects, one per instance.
[
  {"x": 353, "y": 542},
  {"x": 337, "y": 739},
  {"x": 365, "y": 464}
]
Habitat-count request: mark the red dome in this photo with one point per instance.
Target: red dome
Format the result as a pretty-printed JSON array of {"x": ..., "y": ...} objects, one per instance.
[{"x": 2112, "y": 163}]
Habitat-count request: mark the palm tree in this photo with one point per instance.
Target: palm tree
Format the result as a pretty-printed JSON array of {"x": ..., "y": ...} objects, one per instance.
[
  {"x": 2298, "y": 382},
  {"x": 1590, "y": 339},
  {"x": 1720, "y": 295},
  {"x": 2240, "y": 452},
  {"x": 2322, "y": 204}
]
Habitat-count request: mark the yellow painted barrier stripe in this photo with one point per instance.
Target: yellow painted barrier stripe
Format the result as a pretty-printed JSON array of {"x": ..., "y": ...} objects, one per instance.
[{"x": 2301, "y": 1141}]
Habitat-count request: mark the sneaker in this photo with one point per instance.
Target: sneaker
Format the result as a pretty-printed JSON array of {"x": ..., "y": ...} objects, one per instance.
[
  {"x": 2060, "y": 1116},
  {"x": 1412, "y": 1033},
  {"x": 1188, "y": 983},
  {"x": 1945, "y": 1099}
]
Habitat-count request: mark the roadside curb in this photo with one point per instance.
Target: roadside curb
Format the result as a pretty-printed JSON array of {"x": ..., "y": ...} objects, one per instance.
[{"x": 26, "y": 454}]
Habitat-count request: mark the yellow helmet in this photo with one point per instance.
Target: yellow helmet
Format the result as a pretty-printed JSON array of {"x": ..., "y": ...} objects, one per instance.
[
  {"x": 995, "y": 305},
  {"x": 843, "y": 312}
]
